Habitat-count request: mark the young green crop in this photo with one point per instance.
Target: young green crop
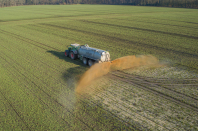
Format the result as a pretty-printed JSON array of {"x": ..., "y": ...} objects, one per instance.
[{"x": 38, "y": 81}]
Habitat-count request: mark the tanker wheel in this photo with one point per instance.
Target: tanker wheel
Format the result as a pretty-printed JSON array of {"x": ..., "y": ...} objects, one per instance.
[
  {"x": 66, "y": 53},
  {"x": 85, "y": 61},
  {"x": 90, "y": 63},
  {"x": 72, "y": 55}
]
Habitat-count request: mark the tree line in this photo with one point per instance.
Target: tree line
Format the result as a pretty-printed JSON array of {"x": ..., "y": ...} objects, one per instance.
[{"x": 164, "y": 3}]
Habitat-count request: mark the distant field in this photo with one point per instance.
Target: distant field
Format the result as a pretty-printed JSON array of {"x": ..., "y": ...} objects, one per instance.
[{"x": 38, "y": 82}]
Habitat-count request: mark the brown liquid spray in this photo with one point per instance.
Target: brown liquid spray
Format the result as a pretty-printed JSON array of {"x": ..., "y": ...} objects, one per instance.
[{"x": 122, "y": 63}]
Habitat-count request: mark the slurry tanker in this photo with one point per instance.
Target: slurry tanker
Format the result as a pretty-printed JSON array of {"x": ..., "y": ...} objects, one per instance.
[{"x": 87, "y": 54}]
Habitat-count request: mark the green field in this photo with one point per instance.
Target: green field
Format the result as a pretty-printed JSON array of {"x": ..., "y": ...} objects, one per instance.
[{"x": 37, "y": 81}]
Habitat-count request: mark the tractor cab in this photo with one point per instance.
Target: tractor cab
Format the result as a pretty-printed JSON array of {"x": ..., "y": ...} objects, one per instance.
[{"x": 74, "y": 47}]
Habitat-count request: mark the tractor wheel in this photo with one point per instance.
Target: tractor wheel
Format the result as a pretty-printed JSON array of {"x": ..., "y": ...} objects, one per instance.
[
  {"x": 73, "y": 56},
  {"x": 90, "y": 63},
  {"x": 85, "y": 61},
  {"x": 66, "y": 53}
]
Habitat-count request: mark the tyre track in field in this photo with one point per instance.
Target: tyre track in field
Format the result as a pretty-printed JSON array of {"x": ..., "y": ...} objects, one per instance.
[
  {"x": 61, "y": 104},
  {"x": 145, "y": 85},
  {"x": 153, "y": 23},
  {"x": 18, "y": 114},
  {"x": 49, "y": 96},
  {"x": 160, "y": 83},
  {"x": 49, "y": 17},
  {"x": 173, "y": 81},
  {"x": 174, "y": 20},
  {"x": 161, "y": 80}
]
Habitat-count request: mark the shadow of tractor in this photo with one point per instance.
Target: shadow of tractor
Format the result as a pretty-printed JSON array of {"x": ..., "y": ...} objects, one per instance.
[
  {"x": 61, "y": 55},
  {"x": 73, "y": 74}
]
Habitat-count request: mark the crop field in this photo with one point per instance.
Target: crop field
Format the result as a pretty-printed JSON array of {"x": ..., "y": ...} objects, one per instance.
[{"x": 37, "y": 82}]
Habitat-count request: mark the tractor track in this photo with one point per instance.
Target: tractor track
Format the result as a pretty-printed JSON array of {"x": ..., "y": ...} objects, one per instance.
[
  {"x": 164, "y": 81},
  {"x": 175, "y": 21},
  {"x": 131, "y": 126},
  {"x": 145, "y": 85},
  {"x": 160, "y": 84},
  {"x": 153, "y": 23}
]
